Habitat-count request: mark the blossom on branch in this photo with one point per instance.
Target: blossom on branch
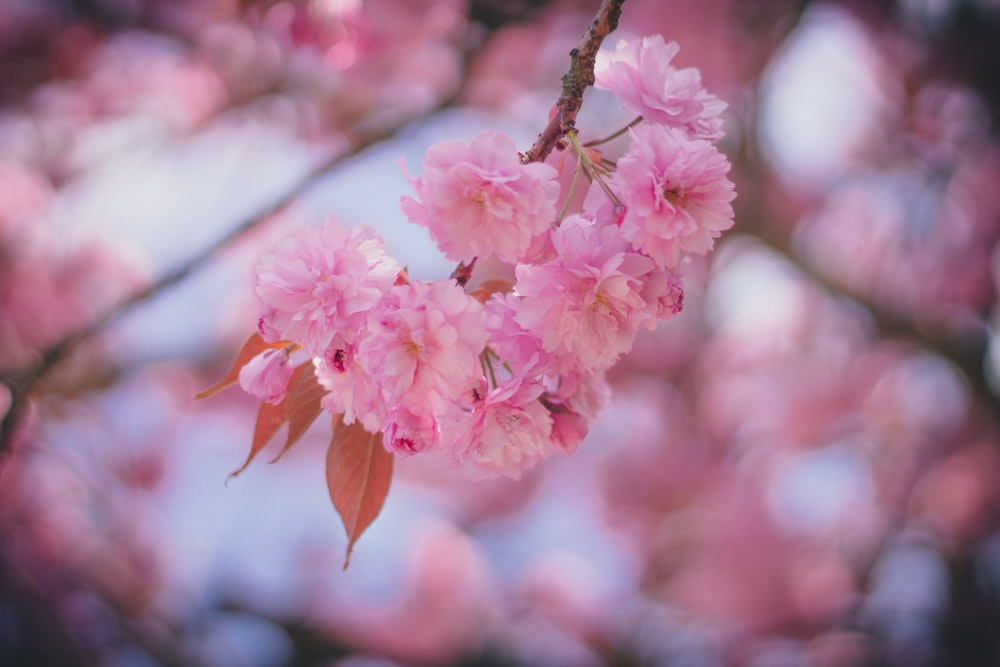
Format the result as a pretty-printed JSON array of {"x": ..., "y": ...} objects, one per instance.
[
  {"x": 351, "y": 391},
  {"x": 407, "y": 432},
  {"x": 676, "y": 194},
  {"x": 641, "y": 77},
  {"x": 422, "y": 344},
  {"x": 478, "y": 200},
  {"x": 317, "y": 286},
  {"x": 498, "y": 378},
  {"x": 585, "y": 306},
  {"x": 506, "y": 431}
]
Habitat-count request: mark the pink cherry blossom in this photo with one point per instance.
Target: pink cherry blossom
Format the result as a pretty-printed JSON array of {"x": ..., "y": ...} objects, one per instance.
[
  {"x": 317, "y": 287},
  {"x": 640, "y": 75},
  {"x": 574, "y": 404},
  {"x": 676, "y": 194},
  {"x": 585, "y": 306},
  {"x": 663, "y": 291},
  {"x": 568, "y": 430},
  {"x": 422, "y": 344},
  {"x": 266, "y": 376},
  {"x": 517, "y": 351},
  {"x": 585, "y": 394},
  {"x": 350, "y": 390},
  {"x": 505, "y": 433},
  {"x": 478, "y": 200},
  {"x": 408, "y": 433}
]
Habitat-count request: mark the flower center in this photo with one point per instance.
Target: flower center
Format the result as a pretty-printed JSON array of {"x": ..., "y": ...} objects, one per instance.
[
  {"x": 338, "y": 360},
  {"x": 676, "y": 195},
  {"x": 601, "y": 304}
]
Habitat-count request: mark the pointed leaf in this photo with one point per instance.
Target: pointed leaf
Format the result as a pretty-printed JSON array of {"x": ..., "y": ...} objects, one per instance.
[
  {"x": 304, "y": 406},
  {"x": 254, "y": 346},
  {"x": 358, "y": 473},
  {"x": 270, "y": 417}
]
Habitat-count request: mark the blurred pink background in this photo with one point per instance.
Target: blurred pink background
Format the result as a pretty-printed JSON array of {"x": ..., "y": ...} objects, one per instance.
[{"x": 802, "y": 469}]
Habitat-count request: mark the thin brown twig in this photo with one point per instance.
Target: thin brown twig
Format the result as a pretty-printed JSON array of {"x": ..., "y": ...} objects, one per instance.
[{"x": 576, "y": 81}]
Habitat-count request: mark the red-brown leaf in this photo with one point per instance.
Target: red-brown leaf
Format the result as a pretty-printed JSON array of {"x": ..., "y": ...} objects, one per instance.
[
  {"x": 254, "y": 346},
  {"x": 303, "y": 406},
  {"x": 270, "y": 417},
  {"x": 358, "y": 473}
]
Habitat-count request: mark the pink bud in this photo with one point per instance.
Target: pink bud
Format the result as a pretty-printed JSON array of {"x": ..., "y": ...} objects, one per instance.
[
  {"x": 618, "y": 214},
  {"x": 266, "y": 376}
]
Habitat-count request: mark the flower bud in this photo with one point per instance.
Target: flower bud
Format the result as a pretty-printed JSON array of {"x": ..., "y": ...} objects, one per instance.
[{"x": 266, "y": 376}]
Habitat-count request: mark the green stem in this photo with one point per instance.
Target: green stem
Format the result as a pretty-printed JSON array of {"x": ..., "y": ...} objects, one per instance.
[{"x": 612, "y": 137}]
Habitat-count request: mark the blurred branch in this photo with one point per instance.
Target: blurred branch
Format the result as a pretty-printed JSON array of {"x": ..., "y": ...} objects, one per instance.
[
  {"x": 43, "y": 637},
  {"x": 965, "y": 349},
  {"x": 21, "y": 382}
]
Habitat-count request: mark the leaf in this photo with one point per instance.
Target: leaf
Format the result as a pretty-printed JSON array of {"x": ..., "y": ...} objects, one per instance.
[
  {"x": 304, "y": 406},
  {"x": 358, "y": 473},
  {"x": 270, "y": 418},
  {"x": 489, "y": 287},
  {"x": 254, "y": 346}
]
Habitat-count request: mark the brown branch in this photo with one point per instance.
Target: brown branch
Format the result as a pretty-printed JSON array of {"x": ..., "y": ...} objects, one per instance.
[
  {"x": 463, "y": 272},
  {"x": 579, "y": 77}
]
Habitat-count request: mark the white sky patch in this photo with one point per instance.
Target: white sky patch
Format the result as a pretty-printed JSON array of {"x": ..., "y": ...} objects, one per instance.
[
  {"x": 754, "y": 295},
  {"x": 823, "y": 97},
  {"x": 814, "y": 490},
  {"x": 170, "y": 200}
]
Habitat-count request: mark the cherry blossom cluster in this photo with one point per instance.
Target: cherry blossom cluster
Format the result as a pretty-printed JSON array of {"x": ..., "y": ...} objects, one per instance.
[{"x": 497, "y": 376}]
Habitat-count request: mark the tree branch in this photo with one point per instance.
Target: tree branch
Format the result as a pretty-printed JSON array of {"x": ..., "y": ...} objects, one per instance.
[{"x": 576, "y": 81}]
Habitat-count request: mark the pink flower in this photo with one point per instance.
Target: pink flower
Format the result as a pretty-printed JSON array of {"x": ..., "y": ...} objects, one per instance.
[
  {"x": 507, "y": 432},
  {"x": 640, "y": 75},
  {"x": 407, "y": 433},
  {"x": 318, "y": 286},
  {"x": 477, "y": 199},
  {"x": 676, "y": 194},
  {"x": 422, "y": 344},
  {"x": 663, "y": 290},
  {"x": 583, "y": 393},
  {"x": 568, "y": 430},
  {"x": 351, "y": 391},
  {"x": 515, "y": 350},
  {"x": 586, "y": 305},
  {"x": 266, "y": 376},
  {"x": 574, "y": 404}
]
